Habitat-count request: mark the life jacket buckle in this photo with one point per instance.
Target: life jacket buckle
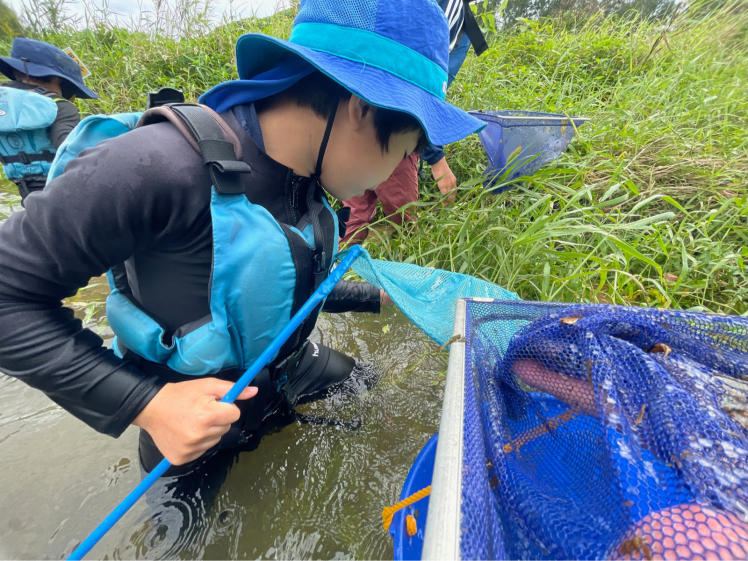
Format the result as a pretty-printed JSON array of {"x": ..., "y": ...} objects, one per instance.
[
  {"x": 226, "y": 177},
  {"x": 320, "y": 260}
]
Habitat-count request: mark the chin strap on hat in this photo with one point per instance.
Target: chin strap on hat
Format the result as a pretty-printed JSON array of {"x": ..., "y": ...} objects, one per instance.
[{"x": 323, "y": 146}]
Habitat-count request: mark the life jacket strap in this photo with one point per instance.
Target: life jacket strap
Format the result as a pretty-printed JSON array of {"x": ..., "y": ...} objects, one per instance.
[
  {"x": 26, "y": 158},
  {"x": 312, "y": 265},
  {"x": 322, "y": 224},
  {"x": 218, "y": 153},
  {"x": 303, "y": 259}
]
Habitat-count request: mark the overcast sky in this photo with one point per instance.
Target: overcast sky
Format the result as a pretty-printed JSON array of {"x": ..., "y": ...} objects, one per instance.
[{"x": 128, "y": 9}]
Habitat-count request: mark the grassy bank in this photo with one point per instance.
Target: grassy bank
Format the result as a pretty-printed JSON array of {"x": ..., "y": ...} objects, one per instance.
[{"x": 649, "y": 204}]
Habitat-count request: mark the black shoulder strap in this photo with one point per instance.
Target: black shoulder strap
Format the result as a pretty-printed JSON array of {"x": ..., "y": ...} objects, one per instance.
[
  {"x": 303, "y": 287},
  {"x": 323, "y": 226},
  {"x": 217, "y": 152},
  {"x": 312, "y": 264},
  {"x": 203, "y": 130},
  {"x": 473, "y": 31}
]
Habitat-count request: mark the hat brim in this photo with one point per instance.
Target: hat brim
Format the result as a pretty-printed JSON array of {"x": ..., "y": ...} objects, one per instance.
[
  {"x": 38, "y": 70},
  {"x": 443, "y": 122}
]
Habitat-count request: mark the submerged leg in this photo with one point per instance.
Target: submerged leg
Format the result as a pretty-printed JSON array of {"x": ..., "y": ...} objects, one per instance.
[
  {"x": 322, "y": 371},
  {"x": 179, "y": 503}
]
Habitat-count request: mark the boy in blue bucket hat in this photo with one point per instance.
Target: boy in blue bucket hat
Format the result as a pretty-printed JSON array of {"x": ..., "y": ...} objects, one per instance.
[
  {"x": 401, "y": 188},
  {"x": 218, "y": 256},
  {"x": 36, "y": 113}
]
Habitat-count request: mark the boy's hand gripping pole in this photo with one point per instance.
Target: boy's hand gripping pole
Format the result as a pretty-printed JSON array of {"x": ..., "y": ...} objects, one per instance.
[{"x": 272, "y": 349}]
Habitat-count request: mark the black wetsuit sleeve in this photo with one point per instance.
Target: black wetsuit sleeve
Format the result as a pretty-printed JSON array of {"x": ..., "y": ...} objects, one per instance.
[
  {"x": 93, "y": 216},
  {"x": 432, "y": 154},
  {"x": 350, "y": 296},
  {"x": 67, "y": 118}
]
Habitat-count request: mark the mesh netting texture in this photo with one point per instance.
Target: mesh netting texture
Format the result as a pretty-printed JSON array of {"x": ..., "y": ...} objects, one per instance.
[
  {"x": 596, "y": 431},
  {"x": 428, "y": 297},
  {"x": 358, "y": 13}
]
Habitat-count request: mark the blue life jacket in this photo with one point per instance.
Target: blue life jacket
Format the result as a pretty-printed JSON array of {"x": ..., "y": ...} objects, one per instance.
[
  {"x": 262, "y": 272},
  {"x": 25, "y": 147},
  {"x": 89, "y": 132}
]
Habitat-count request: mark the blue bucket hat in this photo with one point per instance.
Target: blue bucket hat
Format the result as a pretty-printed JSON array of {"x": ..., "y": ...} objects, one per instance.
[
  {"x": 390, "y": 53},
  {"x": 38, "y": 59}
]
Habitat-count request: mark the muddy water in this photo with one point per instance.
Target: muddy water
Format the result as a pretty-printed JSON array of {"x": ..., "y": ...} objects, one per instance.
[{"x": 308, "y": 491}]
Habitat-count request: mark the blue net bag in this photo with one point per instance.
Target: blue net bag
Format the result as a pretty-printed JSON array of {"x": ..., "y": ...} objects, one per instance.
[
  {"x": 428, "y": 297},
  {"x": 590, "y": 431},
  {"x": 595, "y": 431}
]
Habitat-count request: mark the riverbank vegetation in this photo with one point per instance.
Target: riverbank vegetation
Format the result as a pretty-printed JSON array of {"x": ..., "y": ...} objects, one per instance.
[{"x": 647, "y": 206}]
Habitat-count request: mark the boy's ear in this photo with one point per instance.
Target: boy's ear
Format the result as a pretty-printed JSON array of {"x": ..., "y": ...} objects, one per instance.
[{"x": 358, "y": 109}]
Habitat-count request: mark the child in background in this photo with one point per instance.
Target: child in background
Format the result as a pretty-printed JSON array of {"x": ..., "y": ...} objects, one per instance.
[{"x": 36, "y": 113}]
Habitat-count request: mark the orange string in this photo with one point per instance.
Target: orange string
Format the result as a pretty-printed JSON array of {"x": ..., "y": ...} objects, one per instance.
[
  {"x": 389, "y": 511},
  {"x": 551, "y": 424}
]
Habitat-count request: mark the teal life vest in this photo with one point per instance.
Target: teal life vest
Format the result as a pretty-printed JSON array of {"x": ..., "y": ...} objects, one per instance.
[
  {"x": 25, "y": 147},
  {"x": 89, "y": 132},
  {"x": 262, "y": 272}
]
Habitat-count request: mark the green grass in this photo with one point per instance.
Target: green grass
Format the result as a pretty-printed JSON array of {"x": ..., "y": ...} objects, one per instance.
[{"x": 648, "y": 205}]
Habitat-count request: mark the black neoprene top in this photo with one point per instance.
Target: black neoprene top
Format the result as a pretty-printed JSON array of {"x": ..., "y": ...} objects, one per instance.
[{"x": 142, "y": 198}]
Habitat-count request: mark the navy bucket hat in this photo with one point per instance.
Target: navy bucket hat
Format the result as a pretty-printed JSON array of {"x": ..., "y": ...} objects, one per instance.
[
  {"x": 390, "y": 53},
  {"x": 39, "y": 59}
]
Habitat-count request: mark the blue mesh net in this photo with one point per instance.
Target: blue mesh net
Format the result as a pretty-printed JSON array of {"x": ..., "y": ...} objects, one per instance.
[
  {"x": 358, "y": 13},
  {"x": 597, "y": 431},
  {"x": 590, "y": 431},
  {"x": 426, "y": 296},
  {"x": 521, "y": 142}
]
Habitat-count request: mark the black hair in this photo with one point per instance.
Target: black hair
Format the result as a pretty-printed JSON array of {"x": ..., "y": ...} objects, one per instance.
[
  {"x": 67, "y": 89},
  {"x": 321, "y": 93}
]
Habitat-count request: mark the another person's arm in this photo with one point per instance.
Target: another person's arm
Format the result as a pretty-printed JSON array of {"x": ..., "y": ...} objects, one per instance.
[
  {"x": 445, "y": 179},
  {"x": 348, "y": 296}
]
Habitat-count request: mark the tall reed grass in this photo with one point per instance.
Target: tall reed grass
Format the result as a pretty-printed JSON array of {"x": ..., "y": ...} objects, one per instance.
[{"x": 648, "y": 205}]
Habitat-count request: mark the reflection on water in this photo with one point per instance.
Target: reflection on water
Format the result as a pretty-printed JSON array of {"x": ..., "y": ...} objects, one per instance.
[
  {"x": 10, "y": 200},
  {"x": 308, "y": 491}
]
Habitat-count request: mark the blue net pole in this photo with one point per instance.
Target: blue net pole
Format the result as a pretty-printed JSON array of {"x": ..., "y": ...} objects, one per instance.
[{"x": 272, "y": 349}]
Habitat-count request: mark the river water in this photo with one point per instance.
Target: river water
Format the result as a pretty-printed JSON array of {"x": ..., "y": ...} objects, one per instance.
[{"x": 307, "y": 492}]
